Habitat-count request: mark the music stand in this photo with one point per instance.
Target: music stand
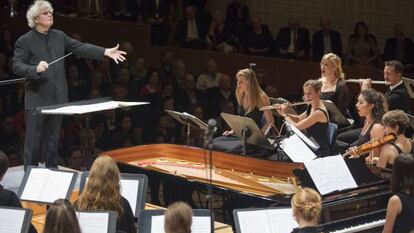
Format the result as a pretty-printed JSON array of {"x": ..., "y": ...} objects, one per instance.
[
  {"x": 335, "y": 115},
  {"x": 188, "y": 120},
  {"x": 409, "y": 85},
  {"x": 254, "y": 135},
  {"x": 84, "y": 107}
]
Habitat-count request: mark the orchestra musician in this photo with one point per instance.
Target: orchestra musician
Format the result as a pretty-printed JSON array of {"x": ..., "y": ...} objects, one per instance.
[
  {"x": 306, "y": 207},
  {"x": 395, "y": 122},
  {"x": 61, "y": 218},
  {"x": 371, "y": 105},
  {"x": 178, "y": 218},
  {"x": 400, "y": 209},
  {"x": 315, "y": 119},
  {"x": 334, "y": 87}
]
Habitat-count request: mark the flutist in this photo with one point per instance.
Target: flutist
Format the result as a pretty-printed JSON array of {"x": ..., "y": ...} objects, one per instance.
[{"x": 315, "y": 119}]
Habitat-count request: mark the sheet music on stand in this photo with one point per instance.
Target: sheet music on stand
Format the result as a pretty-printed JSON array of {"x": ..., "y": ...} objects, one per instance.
[
  {"x": 15, "y": 220},
  {"x": 296, "y": 149},
  {"x": 45, "y": 185},
  {"x": 313, "y": 145},
  {"x": 330, "y": 174},
  {"x": 268, "y": 220},
  {"x": 409, "y": 85},
  {"x": 152, "y": 221},
  {"x": 97, "y": 221},
  {"x": 133, "y": 188}
]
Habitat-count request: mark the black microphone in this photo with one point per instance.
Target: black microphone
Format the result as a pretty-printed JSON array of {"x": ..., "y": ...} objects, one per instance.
[{"x": 211, "y": 129}]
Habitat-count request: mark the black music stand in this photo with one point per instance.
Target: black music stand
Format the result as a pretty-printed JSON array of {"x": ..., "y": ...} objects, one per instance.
[
  {"x": 409, "y": 85},
  {"x": 85, "y": 107},
  {"x": 187, "y": 120},
  {"x": 247, "y": 130},
  {"x": 335, "y": 115}
]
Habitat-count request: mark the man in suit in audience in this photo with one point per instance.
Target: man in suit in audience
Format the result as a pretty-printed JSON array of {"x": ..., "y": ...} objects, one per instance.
[
  {"x": 326, "y": 40},
  {"x": 293, "y": 41},
  {"x": 7, "y": 197},
  {"x": 400, "y": 48},
  {"x": 191, "y": 31}
]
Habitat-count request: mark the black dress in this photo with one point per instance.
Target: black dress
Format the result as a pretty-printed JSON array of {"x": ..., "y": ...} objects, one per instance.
[
  {"x": 404, "y": 222},
  {"x": 340, "y": 97},
  {"x": 319, "y": 132},
  {"x": 306, "y": 230}
]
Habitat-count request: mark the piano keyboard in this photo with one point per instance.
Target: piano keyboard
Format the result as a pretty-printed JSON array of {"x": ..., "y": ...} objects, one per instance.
[
  {"x": 370, "y": 221},
  {"x": 361, "y": 227}
]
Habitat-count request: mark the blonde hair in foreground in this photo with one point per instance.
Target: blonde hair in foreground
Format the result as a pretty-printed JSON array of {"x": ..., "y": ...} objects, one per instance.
[
  {"x": 102, "y": 191},
  {"x": 254, "y": 92},
  {"x": 178, "y": 218},
  {"x": 306, "y": 203}
]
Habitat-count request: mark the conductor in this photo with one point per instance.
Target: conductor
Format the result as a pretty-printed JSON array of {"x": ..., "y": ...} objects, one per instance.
[{"x": 46, "y": 83}]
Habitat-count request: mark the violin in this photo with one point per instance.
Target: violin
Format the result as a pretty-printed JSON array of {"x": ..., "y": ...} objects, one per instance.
[{"x": 372, "y": 144}]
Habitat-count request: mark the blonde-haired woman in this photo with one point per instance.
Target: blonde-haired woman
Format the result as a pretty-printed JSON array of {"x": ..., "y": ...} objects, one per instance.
[
  {"x": 315, "y": 119},
  {"x": 333, "y": 82},
  {"x": 178, "y": 218},
  {"x": 306, "y": 207},
  {"x": 250, "y": 98},
  {"x": 102, "y": 193}
]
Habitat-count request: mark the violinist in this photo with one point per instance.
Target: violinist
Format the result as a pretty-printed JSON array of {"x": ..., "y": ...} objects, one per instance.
[
  {"x": 395, "y": 122},
  {"x": 371, "y": 105},
  {"x": 315, "y": 119}
]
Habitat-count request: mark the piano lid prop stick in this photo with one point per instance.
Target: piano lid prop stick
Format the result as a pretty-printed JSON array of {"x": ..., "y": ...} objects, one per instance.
[{"x": 60, "y": 58}]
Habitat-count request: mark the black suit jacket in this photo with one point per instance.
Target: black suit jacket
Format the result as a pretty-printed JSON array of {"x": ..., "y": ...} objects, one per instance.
[
  {"x": 318, "y": 44},
  {"x": 398, "y": 98},
  {"x": 182, "y": 27},
  {"x": 283, "y": 39},
  {"x": 10, "y": 199},
  {"x": 390, "y": 50}
]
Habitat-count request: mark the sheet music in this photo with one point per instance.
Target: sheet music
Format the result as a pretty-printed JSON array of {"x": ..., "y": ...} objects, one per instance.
[
  {"x": 303, "y": 137},
  {"x": 129, "y": 190},
  {"x": 281, "y": 220},
  {"x": 267, "y": 221},
  {"x": 201, "y": 224},
  {"x": 11, "y": 220},
  {"x": 81, "y": 109},
  {"x": 45, "y": 185},
  {"x": 93, "y": 222},
  {"x": 330, "y": 174},
  {"x": 297, "y": 150}
]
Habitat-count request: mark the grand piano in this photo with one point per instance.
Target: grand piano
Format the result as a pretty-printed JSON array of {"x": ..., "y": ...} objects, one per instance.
[{"x": 249, "y": 182}]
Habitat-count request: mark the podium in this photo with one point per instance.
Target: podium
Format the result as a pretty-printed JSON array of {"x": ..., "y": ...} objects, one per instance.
[{"x": 84, "y": 107}]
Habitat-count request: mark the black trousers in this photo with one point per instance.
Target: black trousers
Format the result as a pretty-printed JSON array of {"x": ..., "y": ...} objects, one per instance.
[{"x": 42, "y": 138}]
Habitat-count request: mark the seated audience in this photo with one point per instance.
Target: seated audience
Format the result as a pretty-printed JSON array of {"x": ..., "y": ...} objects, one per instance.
[
  {"x": 326, "y": 40},
  {"x": 237, "y": 16},
  {"x": 178, "y": 218},
  {"x": 191, "y": 30},
  {"x": 61, "y": 218},
  {"x": 210, "y": 78},
  {"x": 220, "y": 36},
  {"x": 400, "y": 210},
  {"x": 293, "y": 41},
  {"x": 306, "y": 207},
  {"x": 400, "y": 48},
  {"x": 7, "y": 197},
  {"x": 362, "y": 47},
  {"x": 102, "y": 193},
  {"x": 395, "y": 122},
  {"x": 189, "y": 96},
  {"x": 258, "y": 39},
  {"x": 157, "y": 13},
  {"x": 315, "y": 119}
]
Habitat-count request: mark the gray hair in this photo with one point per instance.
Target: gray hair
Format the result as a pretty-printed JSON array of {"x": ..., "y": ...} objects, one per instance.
[{"x": 35, "y": 10}]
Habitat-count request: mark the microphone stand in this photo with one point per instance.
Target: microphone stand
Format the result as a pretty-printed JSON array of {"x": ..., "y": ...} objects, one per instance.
[
  {"x": 209, "y": 146},
  {"x": 245, "y": 130}
]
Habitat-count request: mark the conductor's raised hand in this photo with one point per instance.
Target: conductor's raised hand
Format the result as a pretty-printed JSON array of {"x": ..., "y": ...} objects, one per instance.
[
  {"x": 115, "y": 54},
  {"x": 42, "y": 67}
]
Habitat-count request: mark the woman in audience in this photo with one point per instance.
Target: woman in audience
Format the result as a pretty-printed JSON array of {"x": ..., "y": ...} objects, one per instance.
[
  {"x": 371, "y": 105},
  {"x": 400, "y": 210},
  {"x": 395, "y": 122},
  {"x": 315, "y": 119},
  {"x": 362, "y": 47},
  {"x": 61, "y": 218},
  {"x": 7, "y": 197},
  {"x": 306, "y": 207},
  {"x": 333, "y": 84},
  {"x": 178, "y": 218},
  {"x": 102, "y": 193}
]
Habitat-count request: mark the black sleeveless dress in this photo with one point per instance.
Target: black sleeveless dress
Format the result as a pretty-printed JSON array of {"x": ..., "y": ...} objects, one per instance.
[
  {"x": 319, "y": 132},
  {"x": 404, "y": 222}
]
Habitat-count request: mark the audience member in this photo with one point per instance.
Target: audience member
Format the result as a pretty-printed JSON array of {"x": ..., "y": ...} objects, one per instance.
[
  {"x": 237, "y": 16},
  {"x": 7, "y": 42},
  {"x": 293, "y": 41},
  {"x": 210, "y": 78},
  {"x": 61, "y": 218},
  {"x": 77, "y": 87},
  {"x": 74, "y": 158},
  {"x": 220, "y": 37},
  {"x": 178, "y": 218},
  {"x": 215, "y": 96},
  {"x": 138, "y": 72},
  {"x": 157, "y": 13},
  {"x": 102, "y": 192},
  {"x": 191, "y": 30},
  {"x": 124, "y": 10},
  {"x": 400, "y": 48},
  {"x": 326, "y": 40},
  {"x": 306, "y": 207},
  {"x": 189, "y": 96},
  {"x": 93, "y": 8},
  {"x": 258, "y": 39},
  {"x": 400, "y": 210},
  {"x": 362, "y": 47}
]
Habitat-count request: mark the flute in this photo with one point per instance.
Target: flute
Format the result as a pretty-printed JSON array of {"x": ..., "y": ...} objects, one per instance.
[
  {"x": 361, "y": 80},
  {"x": 274, "y": 106}
]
